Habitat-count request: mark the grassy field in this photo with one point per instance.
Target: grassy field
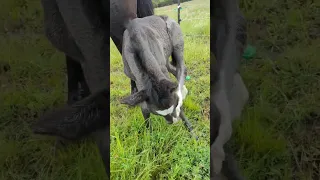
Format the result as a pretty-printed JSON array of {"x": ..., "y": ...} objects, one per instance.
[
  {"x": 279, "y": 135},
  {"x": 167, "y": 153}
]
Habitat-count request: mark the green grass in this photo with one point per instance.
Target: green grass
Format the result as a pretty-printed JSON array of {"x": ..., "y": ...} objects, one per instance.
[
  {"x": 278, "y": 137},
  {"x": 162, "y": 3},
  {"x": 169, "y": 152}
]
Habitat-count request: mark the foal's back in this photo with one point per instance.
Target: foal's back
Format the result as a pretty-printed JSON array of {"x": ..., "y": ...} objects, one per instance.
[{"x": 150, "y": 34}]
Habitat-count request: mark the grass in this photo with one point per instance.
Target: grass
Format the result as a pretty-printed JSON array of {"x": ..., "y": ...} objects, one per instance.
[
  {"x": 167, "y": 153},
  {"x": 276, "y": 138},
  {"x": 162, "y": 3},
  {"x": 278, "y": 135}
]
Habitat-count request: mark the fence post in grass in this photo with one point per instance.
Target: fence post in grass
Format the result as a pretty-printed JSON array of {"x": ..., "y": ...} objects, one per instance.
[{"x": 179, "y": 20}]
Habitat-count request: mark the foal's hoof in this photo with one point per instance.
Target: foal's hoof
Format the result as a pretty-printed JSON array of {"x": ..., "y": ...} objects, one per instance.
[
  {"x": 194, "y": 135},
  {"x": 197, "y": 138}
]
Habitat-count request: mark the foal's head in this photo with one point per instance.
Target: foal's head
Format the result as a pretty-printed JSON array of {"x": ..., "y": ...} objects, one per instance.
[{"x": 159, "y": 97}]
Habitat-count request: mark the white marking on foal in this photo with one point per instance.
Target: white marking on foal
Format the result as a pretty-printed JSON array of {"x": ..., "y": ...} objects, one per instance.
[
  {"x": 166, "y": 111},
  {"x": 184, "y": 92},
  {"x": 181, "y": 93}
]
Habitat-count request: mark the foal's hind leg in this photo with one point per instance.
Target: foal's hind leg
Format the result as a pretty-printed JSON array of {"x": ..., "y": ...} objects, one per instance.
[{"x": 188, "y": 124}]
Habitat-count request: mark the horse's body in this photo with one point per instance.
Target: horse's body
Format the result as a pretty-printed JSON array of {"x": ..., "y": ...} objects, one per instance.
[{"x": 80, "y": 29}]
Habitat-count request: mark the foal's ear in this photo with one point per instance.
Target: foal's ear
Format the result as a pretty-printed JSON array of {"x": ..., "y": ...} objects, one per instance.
[
  {"x": 135, "y": 98},
  {"x": 77, "y": 120}
]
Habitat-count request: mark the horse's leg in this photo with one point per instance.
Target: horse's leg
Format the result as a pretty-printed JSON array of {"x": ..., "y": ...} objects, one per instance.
[
  {"x": 77, "y": 89},
  {"x": 58, "y": 35},
  {"x": 73, "y": 75},
  {"x": 144, "y": 8},
  {"x": 73, "y": 96},
  {"x": 93, "y": 41},
  {"x": 77, "y": 86},
  {"x": 56, "y": 30},
  {"x": 84, "y": 90},
  {"x": 187, "y": 124}
]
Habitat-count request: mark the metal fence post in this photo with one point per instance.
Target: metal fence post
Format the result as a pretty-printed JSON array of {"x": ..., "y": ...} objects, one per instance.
[{"x": 179, "y": 20}]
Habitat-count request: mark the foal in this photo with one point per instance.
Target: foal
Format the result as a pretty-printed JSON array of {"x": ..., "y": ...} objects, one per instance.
[{"x": 147, "y": 45}]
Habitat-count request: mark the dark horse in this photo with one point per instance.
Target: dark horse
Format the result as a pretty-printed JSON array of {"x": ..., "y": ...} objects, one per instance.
[{"x": 79, "y": 29}]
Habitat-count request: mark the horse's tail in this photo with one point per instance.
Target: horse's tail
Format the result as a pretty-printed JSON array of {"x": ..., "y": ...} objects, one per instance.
[{"x": 144, "y": 8}]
